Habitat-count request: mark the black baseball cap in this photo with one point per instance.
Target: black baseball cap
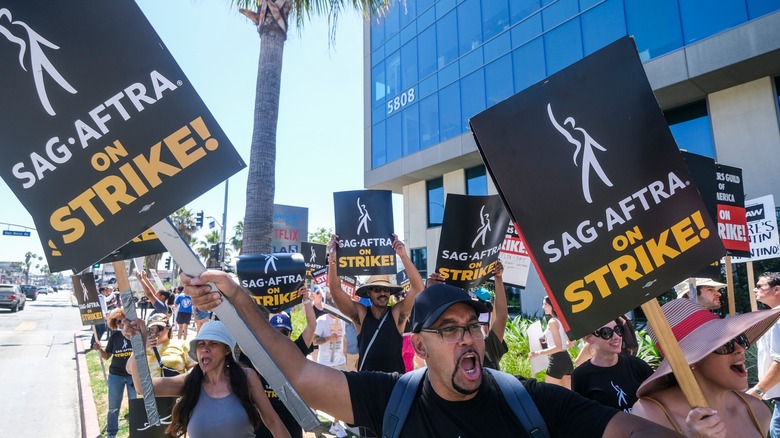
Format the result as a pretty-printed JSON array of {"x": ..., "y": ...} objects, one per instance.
[{"x": 435, "y": 300}]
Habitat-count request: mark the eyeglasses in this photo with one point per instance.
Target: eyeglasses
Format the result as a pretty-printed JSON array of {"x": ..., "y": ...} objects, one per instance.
[
  {"x": 378, "y": 289},
  {"x": 455, "y": 333},
  {"x": 284, "y": 332},
  {"x": 606, "y": 332},
  {"x": 729, "y": 346}
]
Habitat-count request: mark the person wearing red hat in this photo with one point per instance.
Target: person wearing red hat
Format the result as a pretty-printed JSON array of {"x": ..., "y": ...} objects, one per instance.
[
  {"x": 716, "y": 349},
  {"x": 380, "y": 328}
]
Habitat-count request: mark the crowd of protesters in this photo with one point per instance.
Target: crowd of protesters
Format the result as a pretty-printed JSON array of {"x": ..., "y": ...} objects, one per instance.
[{"x": 606, "y": 391}]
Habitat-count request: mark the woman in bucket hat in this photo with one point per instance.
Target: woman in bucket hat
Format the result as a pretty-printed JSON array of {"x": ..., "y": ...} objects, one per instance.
[
  {"x": 218, "y": 397},
  {"x": 715, "y": 349}
]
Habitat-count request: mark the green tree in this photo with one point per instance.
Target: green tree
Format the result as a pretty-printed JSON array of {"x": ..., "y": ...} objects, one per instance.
[
  {"x": 271, "y": 19},
  {"x": 184, "y": 221},
  {"x": 321, "y": 235},
  {"x": 237, "y": 240},
  {"x": 204, "y": 246}
]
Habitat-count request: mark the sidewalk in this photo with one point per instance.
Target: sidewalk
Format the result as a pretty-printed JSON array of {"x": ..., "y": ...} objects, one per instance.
[{"x": 90, "y": 427}]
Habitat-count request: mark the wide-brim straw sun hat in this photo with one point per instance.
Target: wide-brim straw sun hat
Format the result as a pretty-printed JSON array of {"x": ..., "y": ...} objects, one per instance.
[
  {"x": 682, "y": 288},
  {"x": 213, "y": 331},
  {"x": 378, "y": 281},
  {"x": 700, "y": 332}
]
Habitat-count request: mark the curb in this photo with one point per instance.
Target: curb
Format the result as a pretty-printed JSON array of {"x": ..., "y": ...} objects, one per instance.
[{"x": 90, "y": 427}]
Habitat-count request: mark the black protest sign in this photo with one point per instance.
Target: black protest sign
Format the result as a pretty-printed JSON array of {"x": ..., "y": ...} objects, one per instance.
[
  {"x": 138, "y": 422},
  {"x": 315, "y": 255},
  {"x": 364, "y": 224},
  {"x": 702, "y": 170},
  {"x": 402, "y": 279},
  {"x": 273, "y": 280},
  {"x": 85, "y": 290},
  {"x": 103, "y": 134},
  {"x": 472, "y": 232},
  {"x": 721, "y": 190},
  {"x": 590, "y": 172},
  {"x": 732, "y": 221},
  {"x": 143, "y": 245}
]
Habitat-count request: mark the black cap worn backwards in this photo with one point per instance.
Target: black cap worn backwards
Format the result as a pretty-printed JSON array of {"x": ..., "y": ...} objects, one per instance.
[{"x": 435, "y": 300}]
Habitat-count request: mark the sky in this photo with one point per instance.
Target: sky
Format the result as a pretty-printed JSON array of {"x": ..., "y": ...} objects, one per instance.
[{"x": 320, "y": 130}]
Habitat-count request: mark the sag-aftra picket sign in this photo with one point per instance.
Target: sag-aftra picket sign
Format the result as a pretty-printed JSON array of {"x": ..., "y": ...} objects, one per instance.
[
  {"x": 102, "y": 133},
  {"x": 588, "y": 169}
]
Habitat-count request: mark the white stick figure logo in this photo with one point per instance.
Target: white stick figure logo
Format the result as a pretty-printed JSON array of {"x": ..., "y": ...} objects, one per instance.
[
  {"x": 364, "y": 217},
  {"x": 313, "y": 257},
  {"x": 270, "y": 260},
  {"x": 588, "y": 156},
  {"x": 484, "y": 227},
  {"x": 621, "y": 395},
  {"x": 39, "y": 63},
  {"x": 84, "y": 291}
]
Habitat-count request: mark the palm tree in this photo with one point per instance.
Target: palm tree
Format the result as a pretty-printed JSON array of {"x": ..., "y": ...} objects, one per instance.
[
  {"x": 29, "y": 259},
  {"x": 204, "y": 246},
  {"x": 272, "y": 18},
  {"x": 237, "y": 240},
  {"x": 184, "y": 221}
]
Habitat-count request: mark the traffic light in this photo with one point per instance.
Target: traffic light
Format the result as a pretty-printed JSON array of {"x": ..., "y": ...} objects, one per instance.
[
  {"x": 214, "y": 252},
  {"x": 168, "y": 263},
  {"x": 199, "y": 219}
]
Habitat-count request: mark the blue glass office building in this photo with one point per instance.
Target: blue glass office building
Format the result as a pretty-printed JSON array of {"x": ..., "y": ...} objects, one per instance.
[{"x": 431, "y": 65}]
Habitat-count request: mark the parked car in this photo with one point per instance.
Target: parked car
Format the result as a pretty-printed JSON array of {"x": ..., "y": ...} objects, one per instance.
[
  {"x": 12, "y": 297},
  {"x": 30, "y": 291}
]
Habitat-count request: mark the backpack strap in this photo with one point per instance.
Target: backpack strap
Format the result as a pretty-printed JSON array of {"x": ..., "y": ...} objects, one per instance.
[
  {"x": 518, "y": 399},
  {"x": 400, "y": 403}
]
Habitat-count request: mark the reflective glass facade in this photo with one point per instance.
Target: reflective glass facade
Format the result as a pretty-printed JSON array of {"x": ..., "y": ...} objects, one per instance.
[{"x": 434, "y": 64}]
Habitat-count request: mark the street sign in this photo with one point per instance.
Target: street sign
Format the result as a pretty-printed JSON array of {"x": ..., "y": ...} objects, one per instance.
[{"x": 16, "y": 233}]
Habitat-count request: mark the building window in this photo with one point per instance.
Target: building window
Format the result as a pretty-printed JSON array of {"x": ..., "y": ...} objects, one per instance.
[
  {"x": 435, "y": 201},
  {"x": 476, "y": 181},
  {"x": 690, "y": 126},
  {"x": 420, "y": 260}
]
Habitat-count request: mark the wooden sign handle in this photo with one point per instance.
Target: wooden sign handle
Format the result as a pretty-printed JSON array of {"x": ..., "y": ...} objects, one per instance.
[
  {"x": 673, "y": 354},
  {"x": 730, "y": 285},
  {"x": 751, "y": 286}
]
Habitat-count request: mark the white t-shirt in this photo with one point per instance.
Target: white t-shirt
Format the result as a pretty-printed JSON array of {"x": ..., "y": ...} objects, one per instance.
[
  {"x": 768, "y": 352},
  {"x": 331, "y": 353}
]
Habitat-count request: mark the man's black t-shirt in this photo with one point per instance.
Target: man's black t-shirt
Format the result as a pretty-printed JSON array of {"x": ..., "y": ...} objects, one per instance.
[
  {"x": 284, "y": 414},
  {"x": 613, "y": 386},
  {"x": 487, "y": 414},
  {"x": 121, "y": 350},
  {"x": 385, "y": 352}
]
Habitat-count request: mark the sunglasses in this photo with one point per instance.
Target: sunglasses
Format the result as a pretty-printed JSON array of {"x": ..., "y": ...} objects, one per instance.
[
  {"x": 730, "y": 346},
  {"x": 606, "y": 332},
  {"x": 284, "y": 332},
  {"x": 378, "y": 289},
  {"x": 157, "y": 328}
]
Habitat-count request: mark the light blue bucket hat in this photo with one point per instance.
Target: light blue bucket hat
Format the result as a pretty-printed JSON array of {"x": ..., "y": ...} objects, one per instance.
[{"x": 213, "y": 331}]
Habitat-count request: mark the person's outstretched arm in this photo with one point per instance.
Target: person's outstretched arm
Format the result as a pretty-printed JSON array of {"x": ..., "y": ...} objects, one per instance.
[
  {"x": 311, "y": 318},
  {"x": 351, "y": 309},
  {"x": 415, "y": 282},
  {"x": 500, "y": 309},
  {"x": 321, "y": 387}
]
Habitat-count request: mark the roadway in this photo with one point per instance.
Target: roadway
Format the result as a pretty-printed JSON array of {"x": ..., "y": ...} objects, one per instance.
[{"x": 38, "y": 384}]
